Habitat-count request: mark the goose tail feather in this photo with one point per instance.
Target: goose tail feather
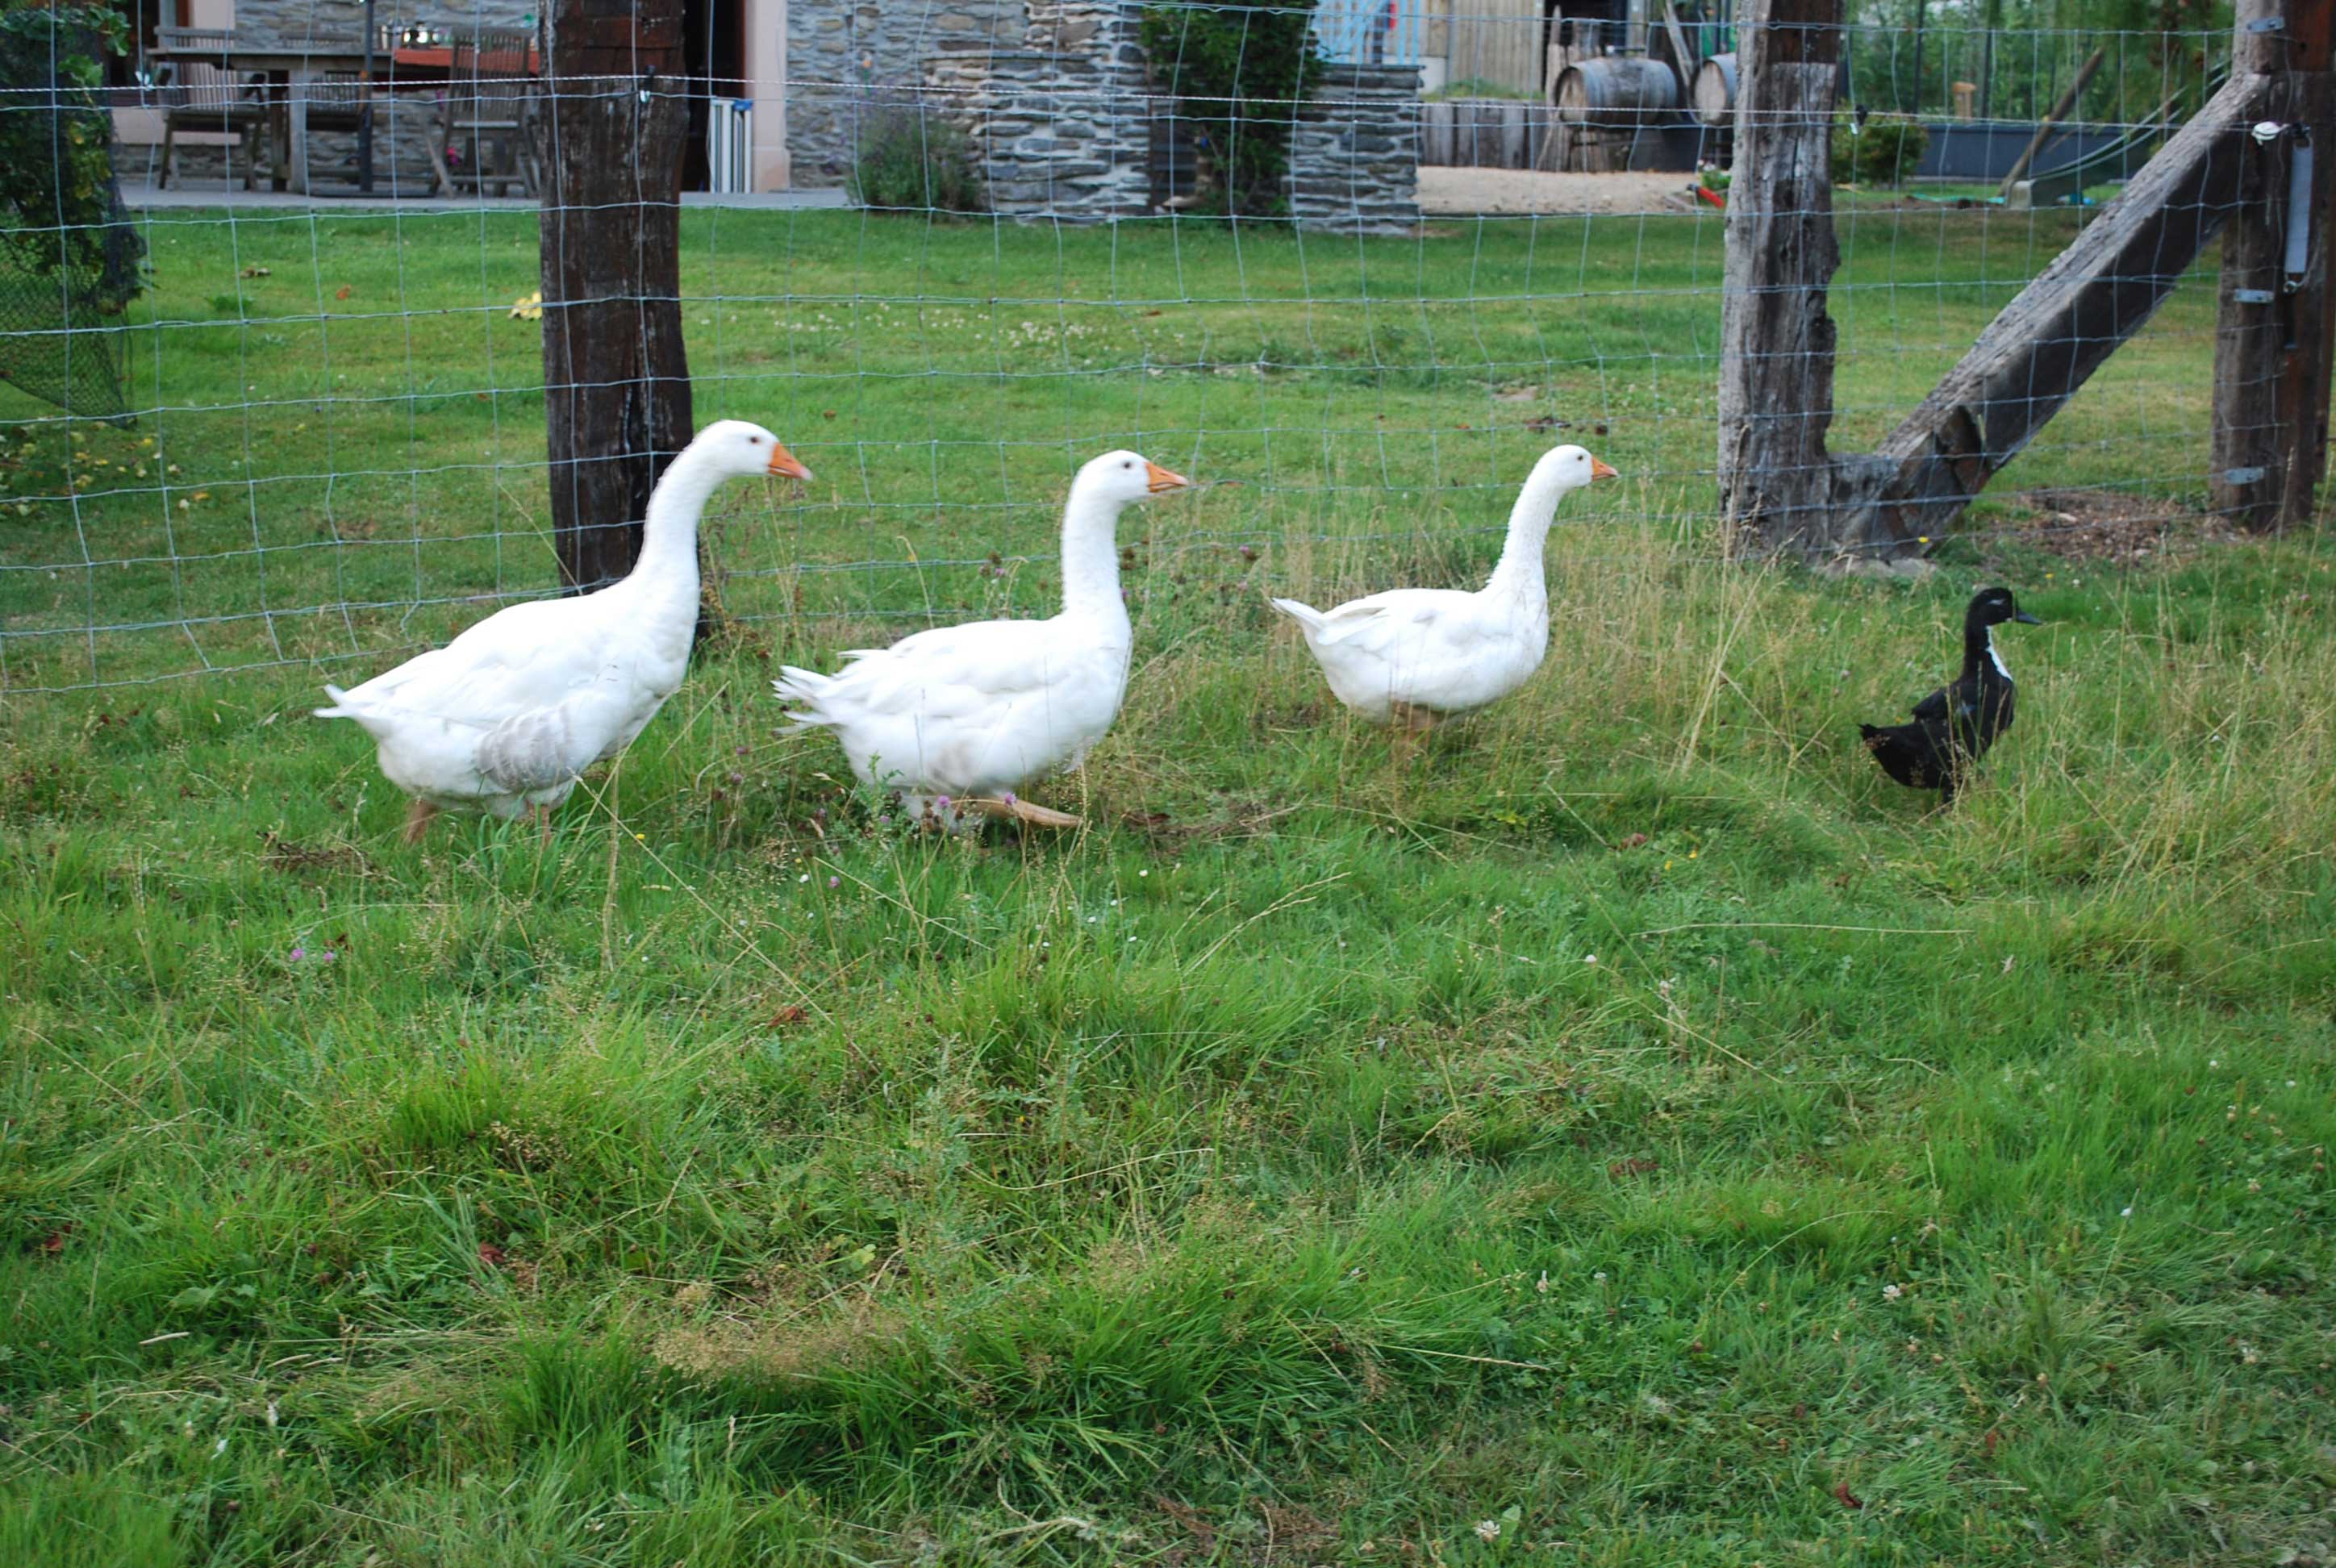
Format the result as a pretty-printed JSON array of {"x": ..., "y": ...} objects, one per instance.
[
  {"x": 375, "y": 723},
  {"x": 802, "y": 689},
  {"x": 1305, "y": 615}
]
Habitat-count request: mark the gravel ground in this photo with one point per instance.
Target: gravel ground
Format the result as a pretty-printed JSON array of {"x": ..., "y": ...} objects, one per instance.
[{"x": 1465, "y": 193}]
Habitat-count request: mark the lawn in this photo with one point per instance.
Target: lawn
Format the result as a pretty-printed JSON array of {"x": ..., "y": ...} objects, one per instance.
[{"x": 1630, "y": 1131}]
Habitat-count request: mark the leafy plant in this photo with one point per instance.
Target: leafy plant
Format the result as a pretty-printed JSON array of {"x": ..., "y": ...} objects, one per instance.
[
  {"x": 1240, "y": 74},
  {"x": 1884, "y": 151},
  {"x": 56, "y": 155},
  {"x": 907, "y": 158}
]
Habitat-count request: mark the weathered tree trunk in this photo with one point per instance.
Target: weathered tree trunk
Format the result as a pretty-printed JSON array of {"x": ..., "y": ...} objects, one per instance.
[
  {"x": 1777, "y": 341},
  {"x": 2033, "y": 358},
  {"x": 615, "y": 380},
  {"x": 2272, "y": 341}
]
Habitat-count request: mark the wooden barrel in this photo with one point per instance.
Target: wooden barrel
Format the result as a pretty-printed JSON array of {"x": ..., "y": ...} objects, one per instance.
[
  {"x": 1616, "y": 92},
  {"x": 1715, "y": 91}
]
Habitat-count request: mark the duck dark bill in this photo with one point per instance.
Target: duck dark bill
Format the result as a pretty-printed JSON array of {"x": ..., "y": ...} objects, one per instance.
[{"x": 2024, "y": 619}]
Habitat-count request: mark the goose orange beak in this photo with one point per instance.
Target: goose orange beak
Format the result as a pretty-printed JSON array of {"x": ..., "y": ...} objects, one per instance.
[
  {"x": 783, "y": 462},
  {"x": 1598, "y": 470},
  {"x": 1163, "y": 479}
]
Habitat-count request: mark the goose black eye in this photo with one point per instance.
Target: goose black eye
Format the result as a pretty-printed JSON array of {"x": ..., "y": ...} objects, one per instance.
[
  {"x": 1127, "y": 466},
  {"x": 754, "y": 441}
]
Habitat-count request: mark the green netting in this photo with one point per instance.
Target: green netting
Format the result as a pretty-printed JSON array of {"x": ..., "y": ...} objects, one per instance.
[{"x": 69, "y": 256}]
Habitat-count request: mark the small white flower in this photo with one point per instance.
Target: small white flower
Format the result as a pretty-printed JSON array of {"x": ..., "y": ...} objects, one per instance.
[
  {"x": 1891, "y": 1292},
  {"x": 1589, "y": 958},
  {"x": 1488, "y": 1529},
  {"x": 1599, "y": 1276},
  {"x": 804, "y": 878},
  {"x": 2126, "y": 1212}
]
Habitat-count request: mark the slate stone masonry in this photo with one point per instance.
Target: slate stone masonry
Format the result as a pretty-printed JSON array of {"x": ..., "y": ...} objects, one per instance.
[
  {"x": 1354, "y": 156},
  {"x": 1056, "y": 97}
]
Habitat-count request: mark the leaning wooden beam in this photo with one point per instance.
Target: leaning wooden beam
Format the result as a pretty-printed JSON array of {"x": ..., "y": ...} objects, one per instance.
[
  {"x": 2033, "y": 358},
  {"x": 1777, "y": 341}
]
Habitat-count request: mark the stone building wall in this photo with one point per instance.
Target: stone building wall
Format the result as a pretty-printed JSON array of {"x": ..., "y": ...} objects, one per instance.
[
  {"x": 1057, "y": 100},
  {"x": 1354, "y": 156},
  {"x": 843, "y": 56},
  {"x": 1061, "y": 123}
]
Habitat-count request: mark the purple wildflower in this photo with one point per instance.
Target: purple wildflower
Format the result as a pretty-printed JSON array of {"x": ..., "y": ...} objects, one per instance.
[{"x": 299, "y": 953}]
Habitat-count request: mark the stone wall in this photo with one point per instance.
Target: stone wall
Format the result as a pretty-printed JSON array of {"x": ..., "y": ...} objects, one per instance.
[
  {"x": 1354, "y": 156},
  {"x": 1062, "y": 123},
  {"x": 845, "y": 56},
  {"x": 1056, "y": 98}
]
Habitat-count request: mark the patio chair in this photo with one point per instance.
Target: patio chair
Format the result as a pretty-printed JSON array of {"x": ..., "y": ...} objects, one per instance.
[
  {"x": 487, "y": 128},
  {"x": 337, "y": 102},
  {"x": 204, "y": 96}
]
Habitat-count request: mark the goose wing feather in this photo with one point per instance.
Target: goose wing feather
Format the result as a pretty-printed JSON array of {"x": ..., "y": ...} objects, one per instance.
[
  {"x": 951, "y": 672},
  {"x": 523, "y": 659}
]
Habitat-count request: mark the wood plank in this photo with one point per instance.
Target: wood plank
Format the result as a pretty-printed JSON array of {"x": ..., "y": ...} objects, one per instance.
[
  {"x": 1435, "y": 134},
  {"x": 1513, "y": 135}
]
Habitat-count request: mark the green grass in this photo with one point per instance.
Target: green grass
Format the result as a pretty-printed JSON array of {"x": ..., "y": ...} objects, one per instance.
[{"x": 1268, "y": 1173}]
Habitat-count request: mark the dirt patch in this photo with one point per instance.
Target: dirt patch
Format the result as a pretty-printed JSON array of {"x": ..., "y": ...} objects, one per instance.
[
  {"x": 1236, "y": 820},
  {"x": 310, "y": 862},
  {"x": 803, "y": 1347},
  {"x": 1469, "y": 192},
  {"x": 2107, "y": 525}
]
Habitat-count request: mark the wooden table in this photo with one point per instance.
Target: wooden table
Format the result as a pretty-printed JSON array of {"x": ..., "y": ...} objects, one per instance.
[{"x": 292, "y": 67}]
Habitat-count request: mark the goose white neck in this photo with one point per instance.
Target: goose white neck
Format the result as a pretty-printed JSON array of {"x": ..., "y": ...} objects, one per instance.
[
  {"x": 1091, "y": 557},
  {"x": 669, "y": 532},
  {"x": 1519, "y": 573}
]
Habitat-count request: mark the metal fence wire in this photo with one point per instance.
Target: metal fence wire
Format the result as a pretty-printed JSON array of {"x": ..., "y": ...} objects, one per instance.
[{"x": 325, "y": 439}]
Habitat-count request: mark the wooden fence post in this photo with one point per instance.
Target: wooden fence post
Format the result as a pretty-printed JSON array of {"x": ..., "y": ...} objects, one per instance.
[
  {"x": 1777, "y": 342},
  {"x": 616, "y": 381},
  {"x": 2271, "y": 341}
]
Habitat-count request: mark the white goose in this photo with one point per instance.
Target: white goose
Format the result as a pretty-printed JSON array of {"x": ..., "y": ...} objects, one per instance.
[
  {"x": 960, "y": 716},
  {"x": 510, "y": 714},
  {"x": 1411, "y": 656}
]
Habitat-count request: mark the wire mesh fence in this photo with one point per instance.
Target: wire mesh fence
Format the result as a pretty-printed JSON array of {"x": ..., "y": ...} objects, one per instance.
[{"x": 983, "y": 243}]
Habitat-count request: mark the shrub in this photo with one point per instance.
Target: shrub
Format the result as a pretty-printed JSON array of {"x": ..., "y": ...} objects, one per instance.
[
  {"x": 907, "y": 158},
  {"x": 1884, "y": 152},
  {"x": 1241, "y": 74},
  {"x": 56, "y": 156}
]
